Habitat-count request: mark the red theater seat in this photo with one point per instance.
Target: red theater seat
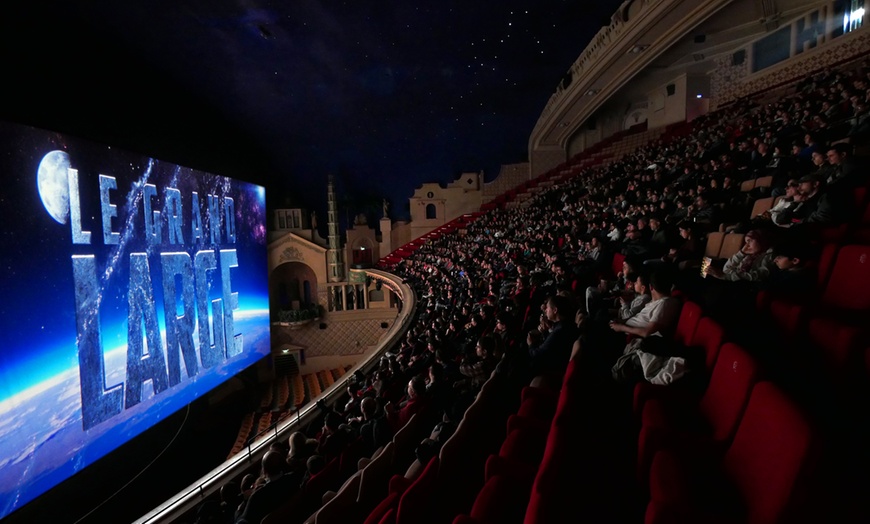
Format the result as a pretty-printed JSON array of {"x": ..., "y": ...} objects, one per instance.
[
  {"x": 761, "y": 478},
  {"x": 538, "y": 402},
  {"x": 374, "y": 477},
  {"x": 328, "y": 479},
  {"x": 525, "y": 444},
  {"x": 415, "y": 505},
  {"x": 502, "y": 500},
  {"x": 711, "y": 419},
  {"x": 690, "y": 315},
  {"x": 707, "y": 337},
  {"x": 788, "y": 313},
  {"x": 616, "y": 266},
  {"x": 463, "y": 457},
  {"x": 848, "y": 287},
  {"x": 386, "y": 509},
  {"x": 837, "y": 323}
]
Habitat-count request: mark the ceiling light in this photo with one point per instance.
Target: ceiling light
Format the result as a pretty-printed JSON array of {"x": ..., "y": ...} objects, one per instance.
[{"x": 638, "y": 48}]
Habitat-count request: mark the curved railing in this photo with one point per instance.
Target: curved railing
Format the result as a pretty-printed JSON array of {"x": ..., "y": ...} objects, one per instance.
[{"x": 211, "y": 483}]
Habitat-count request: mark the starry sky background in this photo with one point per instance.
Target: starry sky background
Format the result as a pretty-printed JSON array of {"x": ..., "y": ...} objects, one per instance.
[{"x": 384, "y": 95}]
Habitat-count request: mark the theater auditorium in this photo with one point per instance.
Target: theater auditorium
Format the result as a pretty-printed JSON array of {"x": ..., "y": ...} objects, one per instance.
[{"x": 659, "y": 317}]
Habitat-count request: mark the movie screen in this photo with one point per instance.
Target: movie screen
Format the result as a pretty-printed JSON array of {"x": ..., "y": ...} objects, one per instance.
[{"x": 131, "y": 286}]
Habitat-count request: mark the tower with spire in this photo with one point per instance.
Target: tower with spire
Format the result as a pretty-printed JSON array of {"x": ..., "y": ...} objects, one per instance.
[{"x": 334, "y": 256}]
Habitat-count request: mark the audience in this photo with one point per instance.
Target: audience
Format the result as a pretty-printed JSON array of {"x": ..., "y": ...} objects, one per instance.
[
  {"x": 501, "y": 295},
  {"x": 276, "y": 489}
]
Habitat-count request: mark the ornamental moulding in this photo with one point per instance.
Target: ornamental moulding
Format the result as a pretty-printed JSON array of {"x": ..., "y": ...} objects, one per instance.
[{"x": 291, "y": 254}]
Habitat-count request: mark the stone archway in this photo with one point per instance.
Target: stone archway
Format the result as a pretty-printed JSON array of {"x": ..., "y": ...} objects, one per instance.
[{"x": 292, "y": 285}]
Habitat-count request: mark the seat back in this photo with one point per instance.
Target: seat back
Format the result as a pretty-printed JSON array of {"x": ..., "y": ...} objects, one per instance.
[
  {"x": 405, "y": 441},
  {"x": 760, "y": 206},
  {"x": 709, "y": 336},
  {"x": 342, "y": 504},
  {"x": 462, "y": 457},
  {"x": 727, "y": 394},
  {"x": 416, "y": 502},
  {"x": 616, "y": 263},
  {"x": 864, "y": 216},
  {"x": 849, "y": 284},
  {"x": 329, "y": 478},
  {"x": 859, "y": 196},
  {"x": 771, "y": 455},
  {"x": 747, "y": 185},
  {"x": 714, "y": 244},
  {"x": 731, "y": 244},
  {"x": 827, "y": 256},
  {"x": 690, "y": 315},
  {"x": 764, "y": 181},
  {"x": 374, "y": 479}
]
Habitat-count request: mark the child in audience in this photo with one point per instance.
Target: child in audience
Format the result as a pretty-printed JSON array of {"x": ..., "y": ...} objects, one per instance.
[{"x": 791, "y": 275}]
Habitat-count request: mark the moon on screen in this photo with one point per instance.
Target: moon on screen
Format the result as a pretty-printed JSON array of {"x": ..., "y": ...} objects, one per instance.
[{"x": 53, "y": 184}]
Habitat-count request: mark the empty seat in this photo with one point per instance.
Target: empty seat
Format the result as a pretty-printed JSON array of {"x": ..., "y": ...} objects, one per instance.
[
  {"x": 714, "y": 244},
  {"x": 342, "y": 507},
  {"x": 502, "y": 500},
  {"x": 761, "y": 478},
  {"x": 763, "y": 181},
  {"x": 760, "y": 206},
  {"x": 711, "y": 418},
  {"x": 837, "y": 322},
  {"x": 415, "y": 504},
  {"x": 731, "y": 244},
  {"x": 690, "y": 315}
]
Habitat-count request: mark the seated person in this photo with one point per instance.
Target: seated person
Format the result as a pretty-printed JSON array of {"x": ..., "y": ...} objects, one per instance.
[
  {"x": 752, "y": 263},
  {"x": 784, "y": 203},
  {"x": 729, "y": 294},
  {"x": 477, "y": 369},
  {"x": 686, "y": 252},
  {"x": 658, "y": 317},
  {"x": 374, "y": 429},
  {"x": 791, "y": 276},
  {"x": 606, "y": 293},
  {"x": 815, "y": 206},
  {"x": 631, "y": 305},
  {"x": 301, "y": 447},
  {"x": 416, "y": 401},
  {"x": 334, "y": 436},
  {"x": 549, "y": 359},
  {"x": 277, "y": 489}
]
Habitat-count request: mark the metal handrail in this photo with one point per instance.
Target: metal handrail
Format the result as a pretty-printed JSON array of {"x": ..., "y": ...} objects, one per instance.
[{"x": 210, "y": 483}]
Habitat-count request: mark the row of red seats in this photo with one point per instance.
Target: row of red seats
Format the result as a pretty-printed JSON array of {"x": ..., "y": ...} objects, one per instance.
[
  {"x": 446, "y": 485},
  {"x": 741, "y": 445},
  {"x": 532, "y": 476},
  {"x": 741, "y": 450},
  {"x": 831, "y": 318}
]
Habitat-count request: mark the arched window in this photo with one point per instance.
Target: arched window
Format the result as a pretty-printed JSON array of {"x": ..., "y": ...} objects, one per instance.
[{"x": 430, "y": 211}]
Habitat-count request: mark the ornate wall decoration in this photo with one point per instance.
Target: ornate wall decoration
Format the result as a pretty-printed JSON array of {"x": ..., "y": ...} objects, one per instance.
[{"x": 291, "y": 254}]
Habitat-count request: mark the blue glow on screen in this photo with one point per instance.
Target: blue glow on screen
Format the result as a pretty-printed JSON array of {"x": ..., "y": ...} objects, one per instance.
[{"x": 95, "y": 242}]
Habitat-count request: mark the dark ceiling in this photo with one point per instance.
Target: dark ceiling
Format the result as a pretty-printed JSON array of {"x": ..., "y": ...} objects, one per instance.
[{"x": 383, "y": 95}]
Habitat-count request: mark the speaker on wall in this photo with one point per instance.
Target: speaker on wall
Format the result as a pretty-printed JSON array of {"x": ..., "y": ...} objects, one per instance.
[{"x": 671, "y": 89}]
